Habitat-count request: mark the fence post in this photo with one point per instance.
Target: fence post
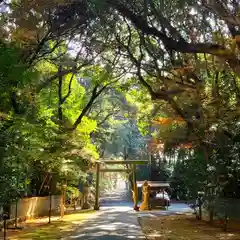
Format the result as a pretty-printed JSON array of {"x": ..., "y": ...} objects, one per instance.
[
  {"x": 225, "y": 222},
  {"x": 200, "y": 202},
  {"x": 200, "y": 211},
  {"x": 211, "y": 210},
  {"x": 64, "y": 186},
  {"x": 50, "y": 207},
  {"x": 5, "y": 217},
  {"x": 5, "y": 229},
  {"x": 226, "y": 218}
]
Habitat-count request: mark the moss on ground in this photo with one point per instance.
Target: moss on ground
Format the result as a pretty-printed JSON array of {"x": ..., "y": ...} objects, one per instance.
[{"x": 58, "y": 229}]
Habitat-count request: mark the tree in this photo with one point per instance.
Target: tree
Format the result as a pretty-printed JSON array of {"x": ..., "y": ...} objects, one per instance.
[
  {"x": 68, "y": 69},
  {"x": 189, "y": 176}
]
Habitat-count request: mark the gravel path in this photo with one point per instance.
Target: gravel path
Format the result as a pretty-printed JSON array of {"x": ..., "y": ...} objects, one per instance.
[{"x": 117, "y": 220}]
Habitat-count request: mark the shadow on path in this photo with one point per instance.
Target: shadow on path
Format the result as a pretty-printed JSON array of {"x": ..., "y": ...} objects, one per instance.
[
  {"x": 174, "y": 209},
  {"x": 114, "y": 223}
]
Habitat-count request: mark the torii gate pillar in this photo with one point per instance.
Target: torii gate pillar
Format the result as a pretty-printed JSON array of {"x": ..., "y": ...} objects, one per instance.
[{"x": 96, "y": 206}]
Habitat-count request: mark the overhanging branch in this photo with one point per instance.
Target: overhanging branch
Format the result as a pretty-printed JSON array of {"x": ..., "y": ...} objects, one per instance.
[
  {"x": 177, "y": 45},
  {"x": 94, "y": 96},
  {"x": 58, "y": 74}
]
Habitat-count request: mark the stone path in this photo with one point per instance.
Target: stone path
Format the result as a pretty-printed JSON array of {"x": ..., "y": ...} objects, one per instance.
[
  {"x": 117, "y": 198},
  {"x": 174, "y": 209},
  {"x": 114, "y": 223},
  {"x": 117, "y": 220}
]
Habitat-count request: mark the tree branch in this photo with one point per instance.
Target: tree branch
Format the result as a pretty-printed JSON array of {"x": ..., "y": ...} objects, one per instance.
[
  {"x": 69, "y": 90},
  {"x": 60, "y": 74},
  {"x": 88, "y": 106},
  {"x": 166, "y": 23},
  {"x": 177, "y": 45},
  {"x": 105, "y": 118},
  {"x": 60, "y": 113},
  {"x": 164, "y": 95}
]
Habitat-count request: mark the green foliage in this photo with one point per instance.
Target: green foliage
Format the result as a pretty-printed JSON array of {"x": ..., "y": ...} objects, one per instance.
[
  {"x": 14, "y": 77},
  {"x": 126, "y": 141},
  {"x": 189, "y": 176},
  {"x": 33, "y": 145},
  {"x": 87, "y": 79}
]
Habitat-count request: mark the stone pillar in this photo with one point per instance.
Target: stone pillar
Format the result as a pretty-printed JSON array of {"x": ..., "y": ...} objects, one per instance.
[
  {"x": 145, "y": 193},
  {"x": 86, "y": 191}
]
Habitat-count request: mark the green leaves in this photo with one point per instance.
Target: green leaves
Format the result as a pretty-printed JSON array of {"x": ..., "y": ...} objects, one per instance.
[{"x": 189, "y": 175}]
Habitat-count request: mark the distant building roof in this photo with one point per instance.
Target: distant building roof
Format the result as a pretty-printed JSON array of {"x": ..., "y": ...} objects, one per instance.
[{"x": 154, "y": 184}]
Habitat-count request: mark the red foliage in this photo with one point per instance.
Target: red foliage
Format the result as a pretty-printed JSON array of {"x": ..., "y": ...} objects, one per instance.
[
  {"x": 166, "y": 121},
  {"x": 156, "y": 145},
  {"x": 185, "y": 145}
]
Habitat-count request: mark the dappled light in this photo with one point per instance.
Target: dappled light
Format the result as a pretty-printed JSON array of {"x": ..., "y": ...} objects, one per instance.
[
  {"x": 114, "y": 223},
  {"x": 39, "y": 228},
  {"x": 32, "y": 207},
  {"x": 99, "y": 95},
  {"x": 183, "y": 227}
]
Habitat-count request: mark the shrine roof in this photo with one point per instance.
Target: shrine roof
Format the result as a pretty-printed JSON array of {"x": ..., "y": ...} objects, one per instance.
[{"x": 154, "y": 184}]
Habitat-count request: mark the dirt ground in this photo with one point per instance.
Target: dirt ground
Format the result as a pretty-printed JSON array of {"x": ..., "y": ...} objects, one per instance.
[
  {"x": 183, "y": 227},
  {"x": 58, "y": 229}
]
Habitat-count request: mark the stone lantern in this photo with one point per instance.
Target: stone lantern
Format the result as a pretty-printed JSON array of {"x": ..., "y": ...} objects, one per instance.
[{"x": 86, "y": 192}]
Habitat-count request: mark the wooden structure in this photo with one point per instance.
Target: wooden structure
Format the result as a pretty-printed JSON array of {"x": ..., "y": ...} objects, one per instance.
[
  {"x": 152, "y": 188},
  {"x": 154, "y": 185},
  {"x": 101, "y": 166}
]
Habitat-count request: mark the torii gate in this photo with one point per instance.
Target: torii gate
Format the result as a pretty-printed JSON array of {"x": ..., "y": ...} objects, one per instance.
[{"x": 132, "y": 169}]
